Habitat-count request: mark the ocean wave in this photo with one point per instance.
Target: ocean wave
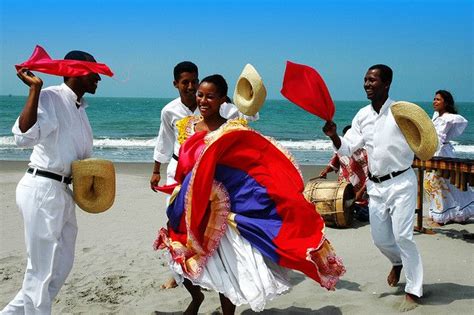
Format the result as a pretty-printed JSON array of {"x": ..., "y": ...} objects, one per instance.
[
  {"x": 124, "y": 142},
  {"x": 7, "y": 142},
  {"x": 307, "y": 145}
]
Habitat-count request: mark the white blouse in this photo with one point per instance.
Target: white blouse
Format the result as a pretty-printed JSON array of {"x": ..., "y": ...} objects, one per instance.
[{"x": 448, "y": 126}]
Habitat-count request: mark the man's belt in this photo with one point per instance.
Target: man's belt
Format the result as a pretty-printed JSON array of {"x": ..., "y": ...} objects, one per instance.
[
  {"x": 379, "y": 179},
  {"x": 59, "y": 178}
]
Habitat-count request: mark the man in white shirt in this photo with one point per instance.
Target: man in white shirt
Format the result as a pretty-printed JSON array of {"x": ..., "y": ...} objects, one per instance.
[
  {"x": 392, "y": 184},
  {"x": 186, "y": 81},
  {"x": 53, "y": 122}
]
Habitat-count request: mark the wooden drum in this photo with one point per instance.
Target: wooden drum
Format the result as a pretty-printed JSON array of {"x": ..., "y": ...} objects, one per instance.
[{"x": 332, "y": 199}]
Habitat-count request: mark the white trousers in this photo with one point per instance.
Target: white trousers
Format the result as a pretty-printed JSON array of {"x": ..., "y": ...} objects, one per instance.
[
  {"x": 392, "y": 206},
  {"x": 48, "y": 211}
]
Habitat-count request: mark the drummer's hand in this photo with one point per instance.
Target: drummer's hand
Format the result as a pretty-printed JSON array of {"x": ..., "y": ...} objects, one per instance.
[
  {"x": 330, "y": 129},
  {"x": 322, "y": 175},
  {"x": 154, "y": 180},
  {"x": 360, "y": 194},
  {"x": 29, "y": 78}
]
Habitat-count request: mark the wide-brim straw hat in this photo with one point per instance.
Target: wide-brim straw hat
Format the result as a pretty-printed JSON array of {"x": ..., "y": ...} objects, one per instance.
[
  {"x": 250, "y": 93},
  {"x": 93, "y": 184},
  {"x": 417, "y": 128}
]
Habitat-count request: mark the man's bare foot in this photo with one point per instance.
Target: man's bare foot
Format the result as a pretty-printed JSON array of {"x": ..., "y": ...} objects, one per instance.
[
  {"x": 169, "y": 284},
  {"x": 409, "y": 302},
  {"x": 394, "y": 275},
  {"x": 193, "y": 307}
]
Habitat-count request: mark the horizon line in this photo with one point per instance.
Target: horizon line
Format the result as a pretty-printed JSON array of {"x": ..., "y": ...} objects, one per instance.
[{"x": 269, "y": 99}]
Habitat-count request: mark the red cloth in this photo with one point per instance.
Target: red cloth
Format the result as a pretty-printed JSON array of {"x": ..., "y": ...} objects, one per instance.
[
  {"x": 40, "y": 61},
  {"x": 304, "y": 86},
  {"x": 353, "y": 170}
]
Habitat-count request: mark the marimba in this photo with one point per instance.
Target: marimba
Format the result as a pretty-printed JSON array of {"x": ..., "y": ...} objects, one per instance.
[{"x": 460, "y": 173}]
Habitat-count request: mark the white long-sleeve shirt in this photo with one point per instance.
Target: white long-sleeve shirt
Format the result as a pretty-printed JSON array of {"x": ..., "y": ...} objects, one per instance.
[
  {"x": 387, "y": 149},
  {"x": 448, "y": 126},
  {"x": 61, "y": 134},
  {"x": 175, "y": 110}
]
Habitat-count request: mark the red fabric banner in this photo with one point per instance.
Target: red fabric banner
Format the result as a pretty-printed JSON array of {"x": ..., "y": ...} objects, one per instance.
[
  {"x": 304, "y": 86},
  {"x": 40, "y": 61}
]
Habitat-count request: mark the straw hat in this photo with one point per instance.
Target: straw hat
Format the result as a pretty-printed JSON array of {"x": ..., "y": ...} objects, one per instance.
[
  {"x": 250, "y": 92},
  {"x": 93, "y": 184},
  {"x": 417, "y": 128}
]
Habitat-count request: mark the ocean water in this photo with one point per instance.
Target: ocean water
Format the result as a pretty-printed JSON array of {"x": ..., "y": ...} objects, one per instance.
[{"x": 125, "y": 129}]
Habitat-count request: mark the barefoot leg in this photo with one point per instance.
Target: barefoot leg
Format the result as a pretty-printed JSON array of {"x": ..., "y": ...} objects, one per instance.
[
  {"x": 394, "y": 275},
  {"x": 409, "y": 302},
  {"x": 169, "y": 284},
  {"x": 197, "y": 297},
  {"x": 227, "y": 307}
]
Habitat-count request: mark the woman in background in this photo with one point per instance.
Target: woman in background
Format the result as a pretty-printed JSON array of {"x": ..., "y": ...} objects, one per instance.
[{"x": 447, "y": 203}]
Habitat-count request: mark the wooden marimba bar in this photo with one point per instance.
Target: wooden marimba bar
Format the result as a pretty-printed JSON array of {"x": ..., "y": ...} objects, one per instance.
[{"x": 460, "y": 173}]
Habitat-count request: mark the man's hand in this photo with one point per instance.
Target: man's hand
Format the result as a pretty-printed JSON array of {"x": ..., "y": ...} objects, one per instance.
[
  {"x": 324, "y": 172},
  {"x": 360, "y": 194},
  {"x": 322, "y": 175},
  {"x": 29, "y": 114},
  {"x": 30, "y": 79},
  {"x": 155, "y": 179},
  {"x": 330, "y": 129}
]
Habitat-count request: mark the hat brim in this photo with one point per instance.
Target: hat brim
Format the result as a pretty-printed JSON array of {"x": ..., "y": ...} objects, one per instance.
[
  {"x": 417, "y": 128},
  {"x": 250, "y": 93},
  {"x": 93, "y": 184}
]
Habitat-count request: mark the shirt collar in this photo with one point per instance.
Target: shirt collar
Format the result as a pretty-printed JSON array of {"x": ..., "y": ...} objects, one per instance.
[
  {"x": 186, "y": 108},
  {"x": 384, "y": 107},
  {"x": 72, "y": 96}
]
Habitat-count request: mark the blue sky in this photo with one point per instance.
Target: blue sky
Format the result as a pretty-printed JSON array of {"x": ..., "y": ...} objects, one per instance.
[{"x": 428, "y": 44}]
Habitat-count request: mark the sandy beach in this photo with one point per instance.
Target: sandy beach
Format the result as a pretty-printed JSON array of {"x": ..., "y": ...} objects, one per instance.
[{"x": 116, "y": 271}]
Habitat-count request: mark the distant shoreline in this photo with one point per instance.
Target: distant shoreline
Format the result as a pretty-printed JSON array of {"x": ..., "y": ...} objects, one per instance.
[
  {"x": 268, "y": 99},
  {"x": 308, "y": 171}
]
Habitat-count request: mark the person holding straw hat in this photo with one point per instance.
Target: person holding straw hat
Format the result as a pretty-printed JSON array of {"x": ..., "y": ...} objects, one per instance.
[
  {"x": 54, "y": 123},
  {"x": 392, "y": 184}
]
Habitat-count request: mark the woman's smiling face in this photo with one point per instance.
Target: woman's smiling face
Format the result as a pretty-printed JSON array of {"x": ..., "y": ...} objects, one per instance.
[{"x": 208, "y": 99}]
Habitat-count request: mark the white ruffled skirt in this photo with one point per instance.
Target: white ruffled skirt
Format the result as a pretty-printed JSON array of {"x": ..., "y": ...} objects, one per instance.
[{"x": 240, "y": 272}]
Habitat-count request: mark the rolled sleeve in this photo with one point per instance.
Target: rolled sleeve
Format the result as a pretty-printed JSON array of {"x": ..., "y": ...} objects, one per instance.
[
  {"x": 26, "y": 139},
  {"x": 46, "y": 123},
  {"x": 334, "y": 163},
  {"x": 352, "y": 140}
]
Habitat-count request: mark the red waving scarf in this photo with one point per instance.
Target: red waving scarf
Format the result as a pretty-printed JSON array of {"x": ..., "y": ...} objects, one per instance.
[
  {"x": 304, "y": 86},
  {"x": 40, "y": 61}
]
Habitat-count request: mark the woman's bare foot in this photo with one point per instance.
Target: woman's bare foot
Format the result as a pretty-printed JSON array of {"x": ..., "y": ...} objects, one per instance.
[
  {"x": 169, "y": 284},
  {"x": 409, "y": 302},
  {"x": 434, "y": 223},
  {"x": 394, "y": 275}
]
